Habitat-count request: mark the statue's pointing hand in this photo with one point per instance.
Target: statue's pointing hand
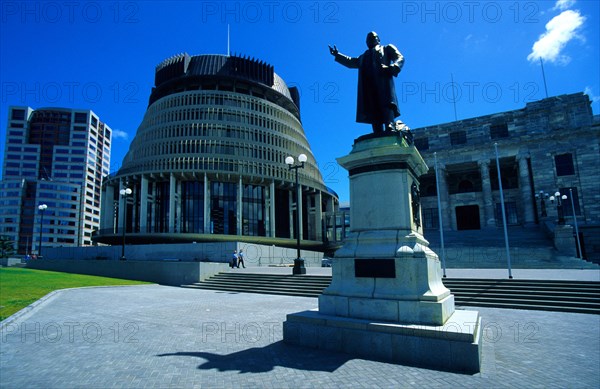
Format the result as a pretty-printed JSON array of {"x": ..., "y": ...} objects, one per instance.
[{"x": 333, "y": 50}]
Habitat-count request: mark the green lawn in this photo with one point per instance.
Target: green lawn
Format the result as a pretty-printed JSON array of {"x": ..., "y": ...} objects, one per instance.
[{"x": 20, "y": 287}]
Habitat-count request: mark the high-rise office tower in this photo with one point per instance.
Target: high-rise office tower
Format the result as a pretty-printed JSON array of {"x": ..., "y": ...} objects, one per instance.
[{"x": 55, "y": 157}]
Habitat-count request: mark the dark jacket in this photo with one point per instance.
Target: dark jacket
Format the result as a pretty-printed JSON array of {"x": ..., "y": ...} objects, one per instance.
[{"x": 376, "y": 90}]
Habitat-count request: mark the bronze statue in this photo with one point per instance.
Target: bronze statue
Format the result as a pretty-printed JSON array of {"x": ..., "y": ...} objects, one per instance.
[
  {"x": 415, "y": 196},
  {"x": 376, "y": 101}
]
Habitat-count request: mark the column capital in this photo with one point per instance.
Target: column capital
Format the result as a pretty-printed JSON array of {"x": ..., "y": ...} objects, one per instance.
[
  {"x": 525, "y": 187},
  {"x": 483, "y": 163}
]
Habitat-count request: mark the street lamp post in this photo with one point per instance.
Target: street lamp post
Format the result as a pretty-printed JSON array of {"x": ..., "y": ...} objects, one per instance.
[
  {"x": 542, "y": 196},
  {"x": 124, "y": 193},
  {"x": 560, "y": 203},
  {"x": 559, "y": 206},
  {"x": 42, "y": 208},
  {"x": 298, "y": 262}
]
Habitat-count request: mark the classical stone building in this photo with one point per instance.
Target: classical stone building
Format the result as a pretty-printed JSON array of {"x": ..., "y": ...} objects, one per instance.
[
  {"x": 208, "y": 161},
  {"x": 551, "y": 145}
]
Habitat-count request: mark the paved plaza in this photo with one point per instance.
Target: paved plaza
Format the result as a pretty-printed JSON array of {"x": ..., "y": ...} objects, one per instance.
[{"x": 155, "y": 336}]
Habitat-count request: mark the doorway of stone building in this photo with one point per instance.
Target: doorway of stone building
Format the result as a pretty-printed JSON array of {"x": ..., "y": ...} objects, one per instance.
[{"x": 467, "y": 217}]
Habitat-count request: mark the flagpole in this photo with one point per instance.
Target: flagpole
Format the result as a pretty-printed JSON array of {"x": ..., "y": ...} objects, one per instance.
[
  {"x": 544, "y": 77},
  {"x": 503, "y": 212},
  {"x": 576, "y": 226},
  {"x": 437, "y": 185},
  {"x": 453, "y": 96}
]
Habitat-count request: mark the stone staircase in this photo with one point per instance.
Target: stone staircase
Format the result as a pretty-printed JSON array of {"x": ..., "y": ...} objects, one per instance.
[
  {"x": 288, "y": 285},
  {"x": 561, "y": 296},
  {"x": 530, "y": 248}
]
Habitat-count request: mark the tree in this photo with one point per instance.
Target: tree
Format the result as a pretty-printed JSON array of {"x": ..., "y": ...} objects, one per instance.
[{"x": 7, "y": 246}]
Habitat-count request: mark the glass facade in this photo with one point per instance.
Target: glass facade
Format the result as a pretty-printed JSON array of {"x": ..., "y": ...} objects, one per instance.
[
  {"x": 160, "y": 221},
  {"x": 253, "y": 211},
  {"x": 192, "y": 207},
  {"x": 46, "y": 163},
  {"x": 223, "y": 207}
]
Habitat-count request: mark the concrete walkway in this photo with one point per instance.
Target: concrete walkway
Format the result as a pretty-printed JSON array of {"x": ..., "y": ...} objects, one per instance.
[{"x": 168, "y": 337}]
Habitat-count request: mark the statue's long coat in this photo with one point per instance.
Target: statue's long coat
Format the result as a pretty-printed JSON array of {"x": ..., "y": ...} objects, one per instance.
[{"x": 376, "y": 90}]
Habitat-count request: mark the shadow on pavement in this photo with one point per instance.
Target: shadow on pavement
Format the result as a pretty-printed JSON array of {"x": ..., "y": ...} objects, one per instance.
[{"x": 265, "y": 359}]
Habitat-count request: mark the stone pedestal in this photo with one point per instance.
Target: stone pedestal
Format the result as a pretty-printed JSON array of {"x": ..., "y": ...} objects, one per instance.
[
  {"x": 386, "y": 300},
  {"x": 564, "y": 240}
]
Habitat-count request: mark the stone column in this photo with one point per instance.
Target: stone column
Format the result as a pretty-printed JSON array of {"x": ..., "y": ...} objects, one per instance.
[
  {"x": 122, "y": 208},
  {"x": 488, "y": 199},
  {"x": 144, "y": 204},
  {"x": 318, "y": 216},
  {"x": 299, "y": 205},
  {"x": 444, "y": 198},
  {"x": 525, "y": 187},
  {"x": 135, "y": 211},
  {"x": 178, "y": 219},
  {"x": 330, "y": 206},
  {"x": 152, "y": 197},
  {"x": 272, "y": 208},
  {"x": 238, "y": 214},
  {"x": 172, "y": 202},
  {"x": 108, "y": 208},
  {"x": 291, "y": 213},
  {"x": 206, "y": 205}
]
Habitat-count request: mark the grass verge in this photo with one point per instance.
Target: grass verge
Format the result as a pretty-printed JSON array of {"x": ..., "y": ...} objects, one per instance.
[{"x": 20, "y": 287}]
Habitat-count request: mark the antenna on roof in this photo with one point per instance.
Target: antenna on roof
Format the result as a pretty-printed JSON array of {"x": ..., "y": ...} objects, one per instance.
[
  {"x": 544, "y": 76},
  {"x": 453, "y": 96}
]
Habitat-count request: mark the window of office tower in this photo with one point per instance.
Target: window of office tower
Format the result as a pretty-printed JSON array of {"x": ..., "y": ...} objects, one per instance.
[
  {"x": 80, "y": 117},
  {"x": 18, "y": 114}
]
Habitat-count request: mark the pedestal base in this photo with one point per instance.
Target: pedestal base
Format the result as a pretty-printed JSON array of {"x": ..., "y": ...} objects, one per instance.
[
  {"x": 455, "y": 346},
  {"x": 564, "y": 240},
  {"x": 299, "y": 267},
  {"x": 407, "y": 311},
  {"x": 386, "y": 299},
  {"x": 411, "y": 292}
]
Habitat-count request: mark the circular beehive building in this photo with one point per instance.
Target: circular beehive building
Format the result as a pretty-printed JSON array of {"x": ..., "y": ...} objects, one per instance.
[{"x": 208, "y": 161}]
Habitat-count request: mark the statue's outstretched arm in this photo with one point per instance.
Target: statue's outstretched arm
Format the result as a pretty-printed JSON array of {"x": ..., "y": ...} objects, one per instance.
[{"x": 350, "y": 62}]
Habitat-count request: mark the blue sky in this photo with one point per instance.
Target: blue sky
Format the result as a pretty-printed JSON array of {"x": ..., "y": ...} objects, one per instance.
[{"x": 101, "y": 55}]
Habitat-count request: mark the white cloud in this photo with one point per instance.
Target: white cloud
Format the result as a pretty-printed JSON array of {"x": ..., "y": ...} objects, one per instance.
[
  {"x": 563, "y": 4},
  {"x": 120, "y": 134},
  {"x": 588, "y": 91},
  {"x": 471, "y": 42},
  {"x": 559, "y": 31}
]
